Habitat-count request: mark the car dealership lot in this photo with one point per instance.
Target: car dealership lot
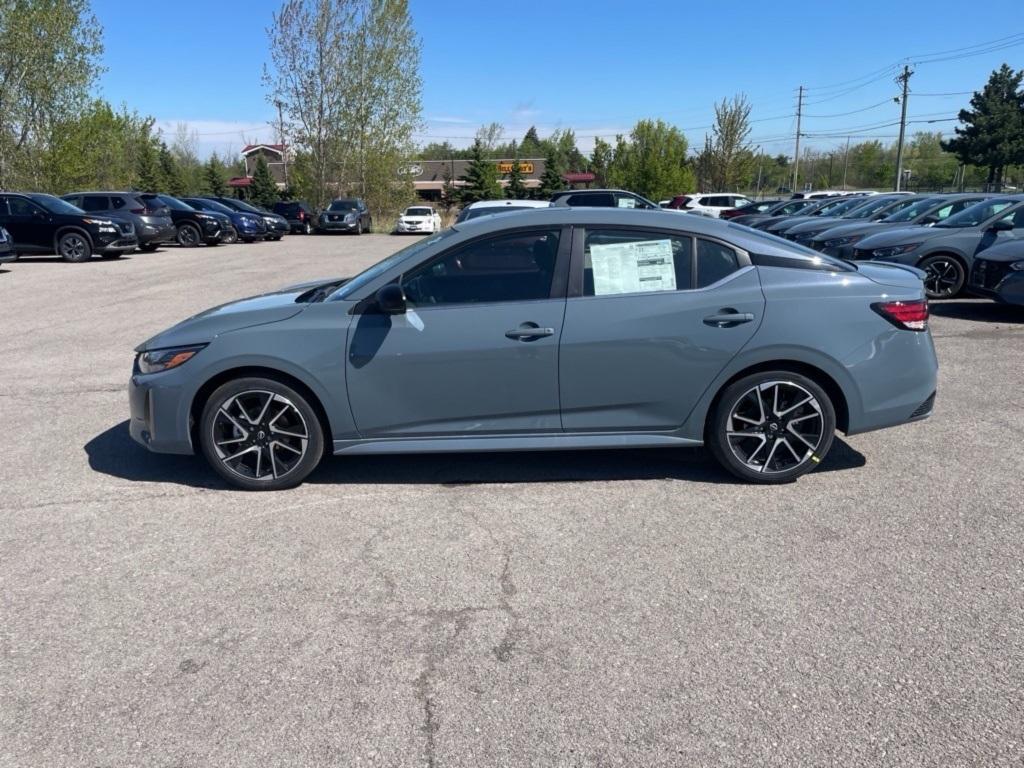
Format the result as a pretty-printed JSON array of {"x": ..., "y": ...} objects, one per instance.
[{"x": 577, "y": 609}]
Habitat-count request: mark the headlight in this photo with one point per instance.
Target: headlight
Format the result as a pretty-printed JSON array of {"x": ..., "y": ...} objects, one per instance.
[
  {"x": 157, "y": 360},
  {"x": 350, "y": 217},
  {"x": 840, "y": 241},
  {"x": 896, "y": 250},
  {"x": 1017, "y": 266}
]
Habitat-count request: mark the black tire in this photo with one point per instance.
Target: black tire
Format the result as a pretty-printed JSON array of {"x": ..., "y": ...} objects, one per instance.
[
  {"x": 222, "y": 425},
  {"x": 759, "y": 453},
  {"x": 231, "y": 238},
  {"x": 74, "y": 247},
  {"x": 359, "y": 227},
  {"x": 946, "y": 276},
  {"x": 149, "y": 247},
  {"x": 188, "y": 235},
  {"x": 307, "y": 228}
]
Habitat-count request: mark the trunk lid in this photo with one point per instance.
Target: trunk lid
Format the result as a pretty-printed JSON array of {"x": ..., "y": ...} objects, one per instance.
[{"x": 897, "y": 275}]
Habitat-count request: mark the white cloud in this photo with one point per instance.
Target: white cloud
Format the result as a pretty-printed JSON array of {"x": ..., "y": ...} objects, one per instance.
[{"x": 226, "y": 137}]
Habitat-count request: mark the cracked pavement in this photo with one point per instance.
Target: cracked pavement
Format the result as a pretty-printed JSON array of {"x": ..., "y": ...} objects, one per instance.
[{"x": 565, "y": 609}]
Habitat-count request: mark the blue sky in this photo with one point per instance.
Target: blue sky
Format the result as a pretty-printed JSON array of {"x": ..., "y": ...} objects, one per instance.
[{"x": 596, "y": 66}]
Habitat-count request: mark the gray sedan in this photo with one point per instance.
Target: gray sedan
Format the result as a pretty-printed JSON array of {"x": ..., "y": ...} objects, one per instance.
[
  {"x": 561, "y": 328},
  {"x": 946, "y": 251}
]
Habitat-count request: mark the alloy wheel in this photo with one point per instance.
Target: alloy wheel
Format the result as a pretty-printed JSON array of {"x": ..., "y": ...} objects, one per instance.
[
  {"x": 188, "y": 235},
  {"x": 943, "y": 278},
  {"x": 775, "y": 427},
  {"x": 73, "y": 247},
  {"x": 259, "y": 435}
]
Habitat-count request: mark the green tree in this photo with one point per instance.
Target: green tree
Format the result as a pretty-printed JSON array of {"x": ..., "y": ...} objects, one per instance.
[
  {"x": 530, "y": 145},
  {"x": 600, "y": 161},
  {"x": 213, "y": 176},
  {"x": 263, "y": 190},
  {"x": 993, "y": 129},
  {"x": 147, "y": 165},
  {"x": 653, "y": 161},
  {"x": 515, "y": 189},
  {"x": 481, "y": 177},
  {"x": 170, "y": 174},
  {"x": 728, "y": 155},
  {"x": 551, "y": 180},
  {"x": 49, "y": 60}
]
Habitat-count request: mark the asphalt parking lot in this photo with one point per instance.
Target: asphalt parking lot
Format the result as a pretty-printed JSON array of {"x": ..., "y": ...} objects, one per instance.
[{"x": 569, "y": 609}]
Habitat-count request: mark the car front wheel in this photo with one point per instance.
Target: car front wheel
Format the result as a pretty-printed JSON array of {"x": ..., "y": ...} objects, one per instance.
[
  {"x": 772, "y": 427},
  {"x": 944, "y": 276},
  {"x": 74, "y": 247},
  {"x": 188, "y": 236},
  {"x": 260, "y": 434}
]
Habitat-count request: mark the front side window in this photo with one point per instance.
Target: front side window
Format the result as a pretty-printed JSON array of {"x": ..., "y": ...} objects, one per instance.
[
  {"x": 630, "y": 261},
  {"x": 517, "y": 266},
  {"x": 1016, "y": 218},
  {"x": 19, "y": 206},
  {"x": 973, "y": 215}
]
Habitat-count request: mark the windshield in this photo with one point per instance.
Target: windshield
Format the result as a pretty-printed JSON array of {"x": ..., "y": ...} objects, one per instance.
[
  {"x": 912, "y": 211},
  {"x": 976, "y": 214},
  {"x": 868, "y": 207},
  {"x": 175, "y": 203},
  {"x": 418, "y": 211},
  {"x": 211, "y": 205},
  {"x": 378, "y": 269},
  {"x": 838, "y": 207},
  {"x": 343, "y": 205},
  {"x": 241, "y": 205},
  {"x": 56, "y": 205}
]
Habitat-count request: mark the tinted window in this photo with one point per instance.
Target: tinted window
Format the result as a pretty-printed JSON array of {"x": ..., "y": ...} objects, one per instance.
[
  {"x": 419, "y": 212},
  {"x": 518, "y": 266},
  {"x": 118, "y": 202},
  {"x": 714, "y": 261},
  {"x": 628, "y": 261},
  {"x": 343, "y": 205},
  {"x": 19, "y": 206},
  {"x": 593, "y": 199},
  {"x": 55, "y": 204},
  {"x": 95, "y": 203},
  {"x": 1016, "y": 218}
]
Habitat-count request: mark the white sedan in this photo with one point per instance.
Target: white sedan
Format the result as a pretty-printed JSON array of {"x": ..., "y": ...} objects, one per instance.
[{"x": 419, "y": 218}]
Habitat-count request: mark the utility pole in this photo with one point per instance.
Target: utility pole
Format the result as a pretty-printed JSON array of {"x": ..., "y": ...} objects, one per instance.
[
  {"x": 846, "y": 162},
  {"x": 280, "y": 139},
  {"x": 904, "y": 78},
  {"x": 796, "y": 153},
  {"x": 760, "y": 164}
]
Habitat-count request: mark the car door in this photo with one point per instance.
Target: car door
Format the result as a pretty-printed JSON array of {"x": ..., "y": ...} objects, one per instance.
[
  {"x": 651, "y": 319},
  {"x": 29, "y": 225},
  {"x": 477, "y": 351}
]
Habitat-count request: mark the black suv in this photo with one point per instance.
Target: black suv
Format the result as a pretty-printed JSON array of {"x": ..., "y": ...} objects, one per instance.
[
  {"x": 346, "y": 214},
  {"x": 43, "y": 225},
  {"x": 151, "y": 217},
  {"x": 301, "y": 216},
  {"x": 602, "y": 198},
  {"x": 194, "y": 227}
]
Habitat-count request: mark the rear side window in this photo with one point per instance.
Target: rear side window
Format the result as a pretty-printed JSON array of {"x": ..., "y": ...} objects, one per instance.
[
  {"x": 598, "y": 199},
  {"x": 117, "y": 202},
  {"x": 630, "y": 261},
  {"x": 95, "y": 203},
  {"x": 714, "y": 262}
]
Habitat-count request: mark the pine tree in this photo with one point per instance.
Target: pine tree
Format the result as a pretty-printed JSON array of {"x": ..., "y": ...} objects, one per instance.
[
  {"x": 263, "y": 190},
  {"x": 993, "y": 135},
  {"x": 449, "y": 192},
  {"x": 147, "y": 169},
  {"x": 551, "y": 180},
  {"x": 531, "y": 143},
  {"x": 515, "y": 189},
  {"x": 173, "y": 183},
  {"x": 213, "y": 176},
  {"x": 481, "y": 178}
]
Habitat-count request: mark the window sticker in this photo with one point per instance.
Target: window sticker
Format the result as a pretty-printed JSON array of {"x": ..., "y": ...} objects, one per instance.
[
  {"x": 645, "y": 265},
  {"x": 627, "y": 202}
]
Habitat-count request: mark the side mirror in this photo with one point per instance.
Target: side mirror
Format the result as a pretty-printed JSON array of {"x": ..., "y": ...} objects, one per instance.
[
  {"x": 929, "y": 220},
  {"x": 391, "y": 299},
  {"x": 1003, "y": 225}
]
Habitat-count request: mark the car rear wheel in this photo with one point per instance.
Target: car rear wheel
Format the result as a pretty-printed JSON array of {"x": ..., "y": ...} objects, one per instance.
[
  {"x": 308, "y": 228},
  {"x": 944, "y": 276},
  {"x": 772, "y": 427},
  {"x": 188, "y": 236},
  {"x": 260, "y": 434},
  {"x": 74, "y": 247}
]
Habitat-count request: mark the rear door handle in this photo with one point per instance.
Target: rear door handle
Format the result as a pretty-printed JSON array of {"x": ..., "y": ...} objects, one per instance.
[
  {"x": 529, "y": 333},
  {"x": 727, "y": 318}
]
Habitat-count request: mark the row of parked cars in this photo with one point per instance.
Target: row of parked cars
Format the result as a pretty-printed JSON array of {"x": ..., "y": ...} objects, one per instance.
[{"x": 80, "y": 225}]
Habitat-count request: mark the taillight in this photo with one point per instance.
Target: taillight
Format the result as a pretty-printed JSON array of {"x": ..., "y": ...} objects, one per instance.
[{"x": 908, "y": 315}]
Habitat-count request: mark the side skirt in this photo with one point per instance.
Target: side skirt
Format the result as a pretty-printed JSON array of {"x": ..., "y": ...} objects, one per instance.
[{"x": 552, "y": 442}]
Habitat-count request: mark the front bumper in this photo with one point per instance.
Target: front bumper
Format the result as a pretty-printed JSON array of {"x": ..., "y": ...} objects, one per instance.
[
  {"x": 155, "y": 403},
  {"x": 120, "y": 243},
  {"x": 406, "y": 227},
  {"x": 327, "y": 225}
]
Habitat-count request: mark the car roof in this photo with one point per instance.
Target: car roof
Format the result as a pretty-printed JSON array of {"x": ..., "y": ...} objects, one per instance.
[{"x": 505, "y": 203}]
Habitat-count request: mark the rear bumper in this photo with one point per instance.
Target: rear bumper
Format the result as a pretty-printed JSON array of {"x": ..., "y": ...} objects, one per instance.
[{"x": 149, "y": 234}]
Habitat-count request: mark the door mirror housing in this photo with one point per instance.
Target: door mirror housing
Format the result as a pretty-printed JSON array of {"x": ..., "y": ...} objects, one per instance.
[
  {"x": 391, "y": 299},
  {"x": 1003, "y": 225}
]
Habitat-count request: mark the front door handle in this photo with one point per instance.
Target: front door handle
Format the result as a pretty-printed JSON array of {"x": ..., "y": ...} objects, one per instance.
[
  {"x": 529, "y": 332},
  {"x": 727, "y": 318}
]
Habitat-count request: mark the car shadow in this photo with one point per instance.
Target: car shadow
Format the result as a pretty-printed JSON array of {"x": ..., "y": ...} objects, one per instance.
[
  {"x": 980, "y": 310},
  {"x": 26, "y": 260},
  {"x": 114, "y": 453}
]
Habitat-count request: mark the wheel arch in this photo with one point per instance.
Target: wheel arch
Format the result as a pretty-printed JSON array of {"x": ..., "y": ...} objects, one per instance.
[
  {"x": 814, "y": 373},
  {"x": 944, "y": 252},
  {"x": 65, "y": 229},
  {"x": 210, "y": 385}
]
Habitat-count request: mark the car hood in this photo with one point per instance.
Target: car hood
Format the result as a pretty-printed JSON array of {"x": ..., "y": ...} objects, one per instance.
[
  {"x": 256, "y": 310},
  {"x": 903, "y": 236},
  {"x": 846, "y": 230},
  {"x": 814, "y": 224}
]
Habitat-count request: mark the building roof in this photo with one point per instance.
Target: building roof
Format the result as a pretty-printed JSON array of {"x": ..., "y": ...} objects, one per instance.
[
  {"x": 574, "y": 177},
  {"x": 240, "y": 181},
  {"x": 250, "y": 148}
]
